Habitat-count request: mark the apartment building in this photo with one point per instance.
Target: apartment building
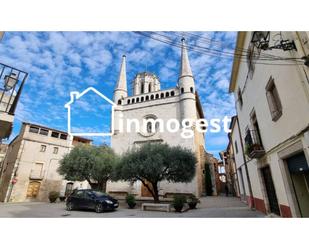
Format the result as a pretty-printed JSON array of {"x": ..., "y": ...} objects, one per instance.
[
  {"x": 29, "y": 169},
  {"x": 270, "y": 135}
]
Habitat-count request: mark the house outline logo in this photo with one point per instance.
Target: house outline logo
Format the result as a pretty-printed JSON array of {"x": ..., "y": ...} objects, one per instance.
[{"x": 75, "y": 96}]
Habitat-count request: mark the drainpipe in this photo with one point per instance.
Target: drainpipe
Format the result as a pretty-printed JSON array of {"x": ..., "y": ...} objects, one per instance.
[{"x": 246, "y": 166}]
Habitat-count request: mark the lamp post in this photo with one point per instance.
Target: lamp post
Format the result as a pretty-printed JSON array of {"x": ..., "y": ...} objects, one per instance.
[{"x": 11, "y": 84}]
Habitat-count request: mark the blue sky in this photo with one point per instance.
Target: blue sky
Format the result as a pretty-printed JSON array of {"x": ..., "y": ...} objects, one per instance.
[{"x": 60, "y": 62}]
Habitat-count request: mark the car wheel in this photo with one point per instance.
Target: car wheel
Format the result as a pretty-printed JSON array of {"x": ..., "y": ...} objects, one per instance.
[
  {"x": 99, "y": 208},
  {"x": 70, "y": 206}
]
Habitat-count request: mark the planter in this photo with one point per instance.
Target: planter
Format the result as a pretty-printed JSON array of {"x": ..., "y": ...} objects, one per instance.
[
  {"x": 192, "y": 205},
  {"x": 178, "y": 208},
  {"x": 132, "y": 205}
]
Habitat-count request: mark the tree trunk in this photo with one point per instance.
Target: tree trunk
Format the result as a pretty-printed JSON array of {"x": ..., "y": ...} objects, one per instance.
[
  {"x": 103, "y": 186},
  {"x": 155, "y": 192}
]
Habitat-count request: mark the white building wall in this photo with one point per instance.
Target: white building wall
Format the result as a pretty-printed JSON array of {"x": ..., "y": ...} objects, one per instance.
[{"x": 293, "y": 89}]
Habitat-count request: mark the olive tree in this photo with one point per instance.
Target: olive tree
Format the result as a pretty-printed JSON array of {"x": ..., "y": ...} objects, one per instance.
[
  {"x": 95, "y": 164},
  {"x": 153, "y": 163}
]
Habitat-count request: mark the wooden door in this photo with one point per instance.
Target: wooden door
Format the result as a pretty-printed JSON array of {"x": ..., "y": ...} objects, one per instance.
[
  {"x": 33, "y": 189},
  {"x": 270, "y": 190},
  {"x": 145, "y": 191}
]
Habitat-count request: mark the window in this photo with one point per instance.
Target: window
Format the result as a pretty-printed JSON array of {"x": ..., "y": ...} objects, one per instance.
[
  {"x": 167, "y": 94},
  {"x": 119, "y": 102},
  {"x": 142, "y": 99},
  {"x": 137, "y": 100},
  {"x": 191, "y": 89},
  {"x": 149, "y": 88},
  {"x": 133, "y": 101},
  {"x": 44, "y": 132},
  {"x": 240, "y": 97},
  {"x": 273, "y": 100},
  {"x": 129, "y": 101},
  {"x": 172, "y": 93},
  {"x": 56, "y": 150},
  {"x": 147, "y": 98},
  {"x": 182, "y": 90},
  {"x": 34, "y": 129},
  {"x": 157, "y": 96},
  {"x": 43, "y": 148},
  {"x": 151, "y": 97},
  {"x": 55, "y": 134},
  {"x": 63, "y": 136},
  {"x": 142, "y": 88},
  {"x": 236, "y": 147},
  {"x": 162, "y": 95}
]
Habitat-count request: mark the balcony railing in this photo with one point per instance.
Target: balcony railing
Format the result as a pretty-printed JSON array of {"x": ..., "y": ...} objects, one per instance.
[
  {"x": 254, "y": 147},
  {"x": 11, "y": 84},
  {"x": 36, "y": 174}
]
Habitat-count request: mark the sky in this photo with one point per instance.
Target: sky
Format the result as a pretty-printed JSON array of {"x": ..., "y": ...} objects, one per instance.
[{"x": 61, "y": 62}]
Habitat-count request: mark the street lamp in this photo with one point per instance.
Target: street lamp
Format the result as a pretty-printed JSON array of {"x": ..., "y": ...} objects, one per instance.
[{"x": 10, "y": 81}]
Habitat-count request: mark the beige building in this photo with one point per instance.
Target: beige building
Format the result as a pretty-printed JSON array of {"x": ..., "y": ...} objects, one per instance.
[
  {"x": 29, "y": 169},
  {"x": 152, "y": 103},
  {"x": 270, "y": 137}
]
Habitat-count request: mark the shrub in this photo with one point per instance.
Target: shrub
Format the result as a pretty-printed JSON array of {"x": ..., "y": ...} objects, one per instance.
[
  {"x": 53, "y": 196},
  {"x": 178, "y": 202},
  {"x": 130, "y": 199}
]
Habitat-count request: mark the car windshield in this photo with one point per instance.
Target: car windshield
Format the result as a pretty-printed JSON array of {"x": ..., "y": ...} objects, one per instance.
[{"x": 98, "y": 193}]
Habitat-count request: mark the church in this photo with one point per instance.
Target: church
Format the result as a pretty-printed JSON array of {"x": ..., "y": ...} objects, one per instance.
[{"x": 150, "y": 102}]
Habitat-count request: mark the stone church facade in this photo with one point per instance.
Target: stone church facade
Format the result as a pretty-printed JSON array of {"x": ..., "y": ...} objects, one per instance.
[{"x": 150, "y": 102}]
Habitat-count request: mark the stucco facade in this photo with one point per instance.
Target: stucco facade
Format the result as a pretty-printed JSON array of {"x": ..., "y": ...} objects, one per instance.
[
  {"x": 280, "y": 137},
  {"x": 29, "y": 170},
  {"x": 150, "y": 102}
]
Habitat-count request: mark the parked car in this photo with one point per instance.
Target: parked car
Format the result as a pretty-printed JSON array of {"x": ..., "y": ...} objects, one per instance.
[{"x": 91, "y": 199}]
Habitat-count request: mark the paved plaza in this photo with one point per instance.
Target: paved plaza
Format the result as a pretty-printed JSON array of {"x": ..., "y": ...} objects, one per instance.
[{"x": 210, "y": 207}]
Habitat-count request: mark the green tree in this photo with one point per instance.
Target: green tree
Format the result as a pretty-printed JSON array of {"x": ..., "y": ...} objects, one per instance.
[
  {"x": 95, "y": 164},
  {"x": 153, "y": 163}
]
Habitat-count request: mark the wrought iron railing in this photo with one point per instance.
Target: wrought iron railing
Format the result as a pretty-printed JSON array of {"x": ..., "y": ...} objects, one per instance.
[
  {"x": 254, "y": 146},
  {"x": 11, "y": 84}
]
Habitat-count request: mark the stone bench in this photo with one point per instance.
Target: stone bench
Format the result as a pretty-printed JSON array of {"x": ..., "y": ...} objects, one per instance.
[{"x": 156, "y": 207}]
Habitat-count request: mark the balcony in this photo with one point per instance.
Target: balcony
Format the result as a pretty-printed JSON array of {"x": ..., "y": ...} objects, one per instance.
[
  {"x": 11, "y": 85},
  {"x": 254, "y": 147},
  {"x": 36, "y": 174}
]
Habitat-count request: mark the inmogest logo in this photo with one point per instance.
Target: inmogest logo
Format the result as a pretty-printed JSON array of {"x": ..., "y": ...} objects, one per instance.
[{"x": 184, "y": 127}]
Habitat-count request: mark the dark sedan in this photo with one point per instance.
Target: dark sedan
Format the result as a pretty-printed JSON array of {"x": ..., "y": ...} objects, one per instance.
[{"x": 91, "y": 199}]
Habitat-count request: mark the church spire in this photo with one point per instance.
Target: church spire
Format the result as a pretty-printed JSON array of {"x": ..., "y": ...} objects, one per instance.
[
  {"x": 185, "y": 69},
  {"x": 121, "y": 87},
  {"x": 122, "y": 79}
]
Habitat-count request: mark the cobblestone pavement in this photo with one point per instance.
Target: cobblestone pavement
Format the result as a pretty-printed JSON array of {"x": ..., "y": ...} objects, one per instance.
[{"x": 210, "y": 207}]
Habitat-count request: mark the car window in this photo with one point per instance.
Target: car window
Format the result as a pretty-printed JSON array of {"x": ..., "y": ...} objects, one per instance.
[
  {"x": 79, "y": 194},
  {"x": 98, "y": 193}
]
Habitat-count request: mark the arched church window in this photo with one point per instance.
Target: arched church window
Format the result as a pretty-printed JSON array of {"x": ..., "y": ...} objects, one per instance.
[
  {"x": 191, "y": 89},
  {"x": 133, "y": 101},
  {"x": 149, "y": 88},
  {"x": 119, "y": 102},
  {"x": 142, "y": 99},
  {"x": 142, "y": 88},
  {"x": 147, "y": 97},
  {"x": 167, "y": 94},
  {"x": 162, "y": 95},
  {"x": 157, "y": 96},
  {"x": 137, "y": 100},
  {"x": 152, "y": 97},
  {"x": 172, "y": 93},
  {"x": 129, "y": 101},
  {"x": 182, "y": 90}
]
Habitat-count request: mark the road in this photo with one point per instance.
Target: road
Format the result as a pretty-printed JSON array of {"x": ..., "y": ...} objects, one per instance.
[{"x": 210, "y": 207}]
